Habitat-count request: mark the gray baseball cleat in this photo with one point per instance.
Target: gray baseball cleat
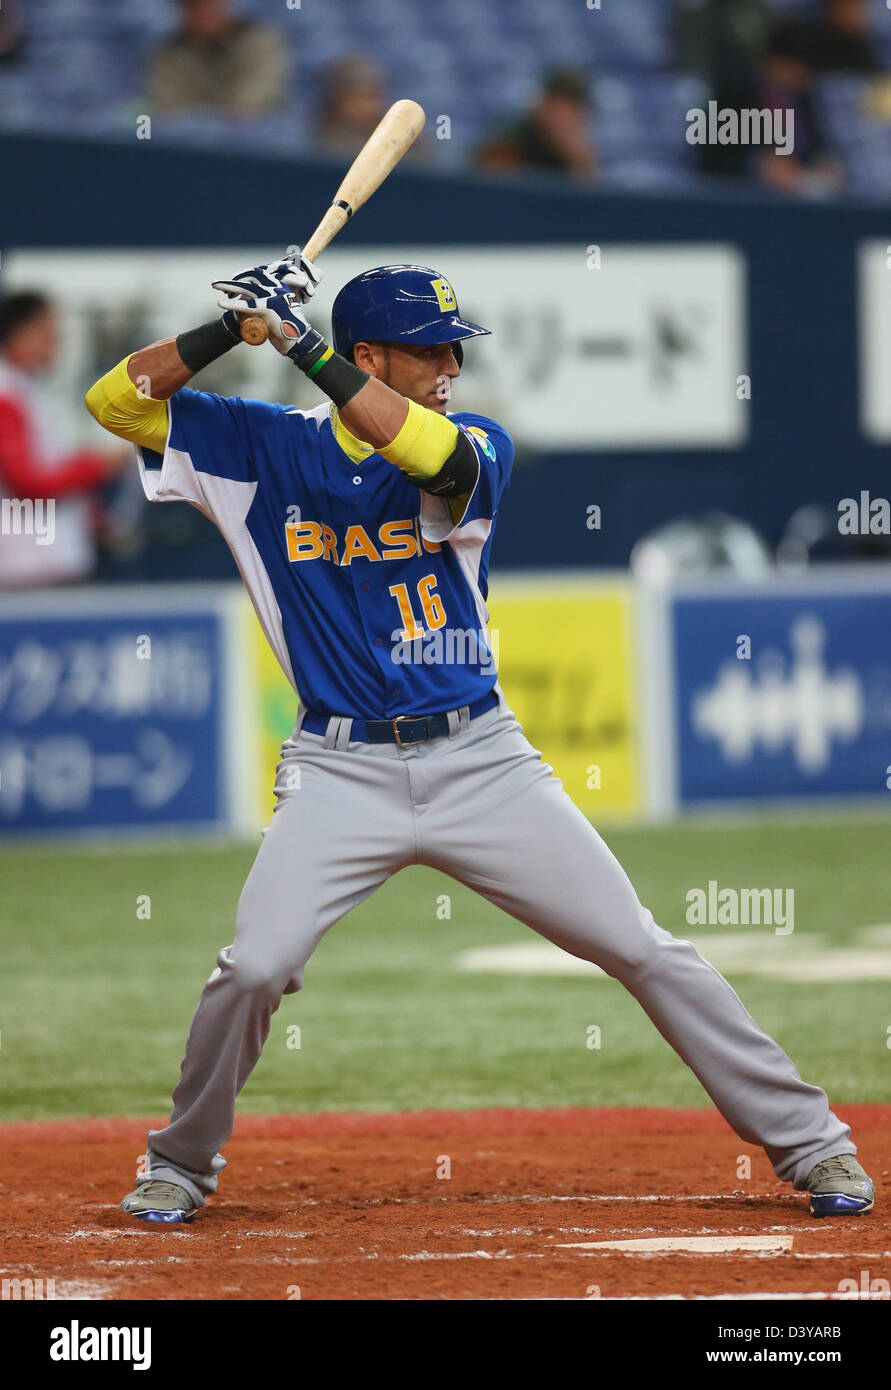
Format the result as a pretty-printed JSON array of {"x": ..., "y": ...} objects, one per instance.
[
  {"x": 839, "y": 1187},
  {"x": 157, "y": 1200}
]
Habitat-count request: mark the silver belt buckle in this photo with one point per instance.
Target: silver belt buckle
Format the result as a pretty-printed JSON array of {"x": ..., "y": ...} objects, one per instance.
[{"x": 410, "y": 743}]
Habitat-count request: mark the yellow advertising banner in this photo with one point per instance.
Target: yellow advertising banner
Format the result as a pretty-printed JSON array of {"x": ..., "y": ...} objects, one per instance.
[
  {"x": 565, "y": 652},
  {"x": 276, "y": 705}
]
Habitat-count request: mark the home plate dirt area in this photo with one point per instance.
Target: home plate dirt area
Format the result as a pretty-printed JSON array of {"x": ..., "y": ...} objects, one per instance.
[{"x": 460, "y": 1204}]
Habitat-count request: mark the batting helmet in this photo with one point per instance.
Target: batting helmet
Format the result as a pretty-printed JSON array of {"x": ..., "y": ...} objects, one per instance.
[{"x": 399, "y": 304}]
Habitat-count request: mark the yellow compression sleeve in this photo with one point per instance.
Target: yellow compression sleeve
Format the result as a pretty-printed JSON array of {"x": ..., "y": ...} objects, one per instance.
[
  {"x": 423, "y": 444},
  {"x": 119, "y": 407},
  {"x": 420, "y": 448}
]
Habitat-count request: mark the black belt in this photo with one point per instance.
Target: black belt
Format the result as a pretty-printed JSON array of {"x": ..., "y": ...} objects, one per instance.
[{"x": 404, "y": 729}]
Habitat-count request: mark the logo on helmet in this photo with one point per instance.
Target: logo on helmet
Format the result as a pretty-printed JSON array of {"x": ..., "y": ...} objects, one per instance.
[{"x": 445, "y": 296}]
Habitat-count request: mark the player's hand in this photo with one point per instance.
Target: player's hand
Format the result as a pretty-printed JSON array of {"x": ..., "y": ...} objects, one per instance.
[
  {"x": 296, "y": 272},
  {"x": 289, "y": 332},
  {"x": 256, "y": 280}
]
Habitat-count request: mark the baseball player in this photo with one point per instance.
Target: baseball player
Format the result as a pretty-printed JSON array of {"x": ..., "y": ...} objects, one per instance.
[{"x": 362, "y": 530}]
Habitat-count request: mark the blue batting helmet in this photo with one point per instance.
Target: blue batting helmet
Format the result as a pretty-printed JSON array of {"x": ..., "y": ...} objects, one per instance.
[{"x": 398, "y": 304}]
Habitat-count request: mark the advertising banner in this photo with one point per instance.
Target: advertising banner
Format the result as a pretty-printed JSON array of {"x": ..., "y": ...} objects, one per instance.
[
  {"x": 782, "y": 695},
  {"x": 567, "y": 668},
  {"x": 874, "y": 324},
  {"x": 581, "y": 334},
  {"x": 110, "y": 716}
]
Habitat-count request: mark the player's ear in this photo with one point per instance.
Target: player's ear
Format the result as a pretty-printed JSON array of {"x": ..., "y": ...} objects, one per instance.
[{"x": 366, "y": 358}]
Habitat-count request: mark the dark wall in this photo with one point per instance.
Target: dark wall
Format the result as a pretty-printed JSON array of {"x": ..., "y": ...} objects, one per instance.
[{"x": 805, "y": 443}]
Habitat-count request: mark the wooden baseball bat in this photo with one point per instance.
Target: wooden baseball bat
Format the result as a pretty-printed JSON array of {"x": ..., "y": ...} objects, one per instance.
[{"x": 380, "y": 154}]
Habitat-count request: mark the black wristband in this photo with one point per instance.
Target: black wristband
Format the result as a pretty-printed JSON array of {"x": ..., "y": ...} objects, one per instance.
[
  {"x": 457, "y": 475},
  {"x": 201, "y": 346},
  {"x": 333, "y": 374}
]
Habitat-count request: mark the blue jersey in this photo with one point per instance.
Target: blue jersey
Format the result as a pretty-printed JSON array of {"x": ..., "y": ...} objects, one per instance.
[{"x": 372, "y": 596}]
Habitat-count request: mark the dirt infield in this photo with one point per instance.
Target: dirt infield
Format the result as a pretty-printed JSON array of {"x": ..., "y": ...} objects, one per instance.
[{"x": 466, "y": 1204}]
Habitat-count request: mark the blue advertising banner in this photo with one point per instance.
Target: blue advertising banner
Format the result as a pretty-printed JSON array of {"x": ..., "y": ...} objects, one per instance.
[
  {"x": 110, "y": 719},
  {"x": 782, "y": 694}
]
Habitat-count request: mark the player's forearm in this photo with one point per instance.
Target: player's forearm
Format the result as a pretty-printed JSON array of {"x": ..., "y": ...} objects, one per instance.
[
  {"x": 163, "y": 368},
  {"x": 375, "y": 414},
  {"x": 130, "y": 401},
  {"x": 427, "y": 447},
  {"x": 417, "y": 440},
  {"x": 158, "y": 370}
]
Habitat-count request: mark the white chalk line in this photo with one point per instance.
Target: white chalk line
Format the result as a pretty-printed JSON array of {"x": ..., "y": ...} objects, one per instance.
[
  {"x": 93, "y": 1289},
  {"x": 492, "y": 1234},
  {"x": 141, "y": 1264},
  {"x": 633, "y": 1232},
  {"x": 502, "y": 1200},
  {"x": 66, "y": 1289},
  {"x": 160, "y": 1231},
  {"x": 840, "y": 1254},
  {"x": 141, "y": 1232},
  {"x": 584, "y": 1248},
  {"x": 468, "y": 1199},
  {"x": 692, "y": 1245},
  {"x": 467, "y": 1255},
  {"x": 811, "y": 1296}
]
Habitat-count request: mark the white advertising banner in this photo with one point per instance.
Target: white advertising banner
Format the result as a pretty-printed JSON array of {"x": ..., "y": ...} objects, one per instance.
[
  {"x": 874, "y": 318},
  {"x": 591, "y": 348},
  {"x": 641, "y": 347}
]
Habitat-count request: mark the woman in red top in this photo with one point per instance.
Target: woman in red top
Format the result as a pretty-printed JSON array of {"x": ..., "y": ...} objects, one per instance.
[{"x": 46, "y": 531}]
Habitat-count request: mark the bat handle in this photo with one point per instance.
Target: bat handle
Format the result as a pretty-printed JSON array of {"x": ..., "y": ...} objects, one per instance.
[{"x": 254, "y": 330}]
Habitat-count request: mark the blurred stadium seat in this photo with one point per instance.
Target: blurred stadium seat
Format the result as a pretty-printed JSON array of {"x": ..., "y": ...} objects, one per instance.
[
  {"x": 864, "y": 139},
  {"x": 478, "y": 64}
]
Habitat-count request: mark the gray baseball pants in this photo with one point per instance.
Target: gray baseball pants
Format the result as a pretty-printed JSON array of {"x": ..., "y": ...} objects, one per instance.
[{"x": 480, "y": 805}]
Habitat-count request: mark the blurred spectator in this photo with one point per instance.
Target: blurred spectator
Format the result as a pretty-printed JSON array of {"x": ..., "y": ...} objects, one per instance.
[
  {"x": 12, "y": 32},
  {"x": 783, "y": 81},
  {"x": 720, "y": 39},
  {"x": 552, "y": 135},
  {"x": 45, "y": 509},
  {"x": 353, "y": 100},
  {"x": 839, "y": 38},
  {"x": 218, "y": 62}
]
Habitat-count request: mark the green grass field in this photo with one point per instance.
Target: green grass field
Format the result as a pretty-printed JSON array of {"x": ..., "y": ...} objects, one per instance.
[{"x": 95, "y": 1004}]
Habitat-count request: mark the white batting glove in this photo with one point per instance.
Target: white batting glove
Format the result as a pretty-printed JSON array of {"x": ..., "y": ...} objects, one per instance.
[
  {"x": 297, "y": 272},
  {"x": 289, "y": 332}
]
